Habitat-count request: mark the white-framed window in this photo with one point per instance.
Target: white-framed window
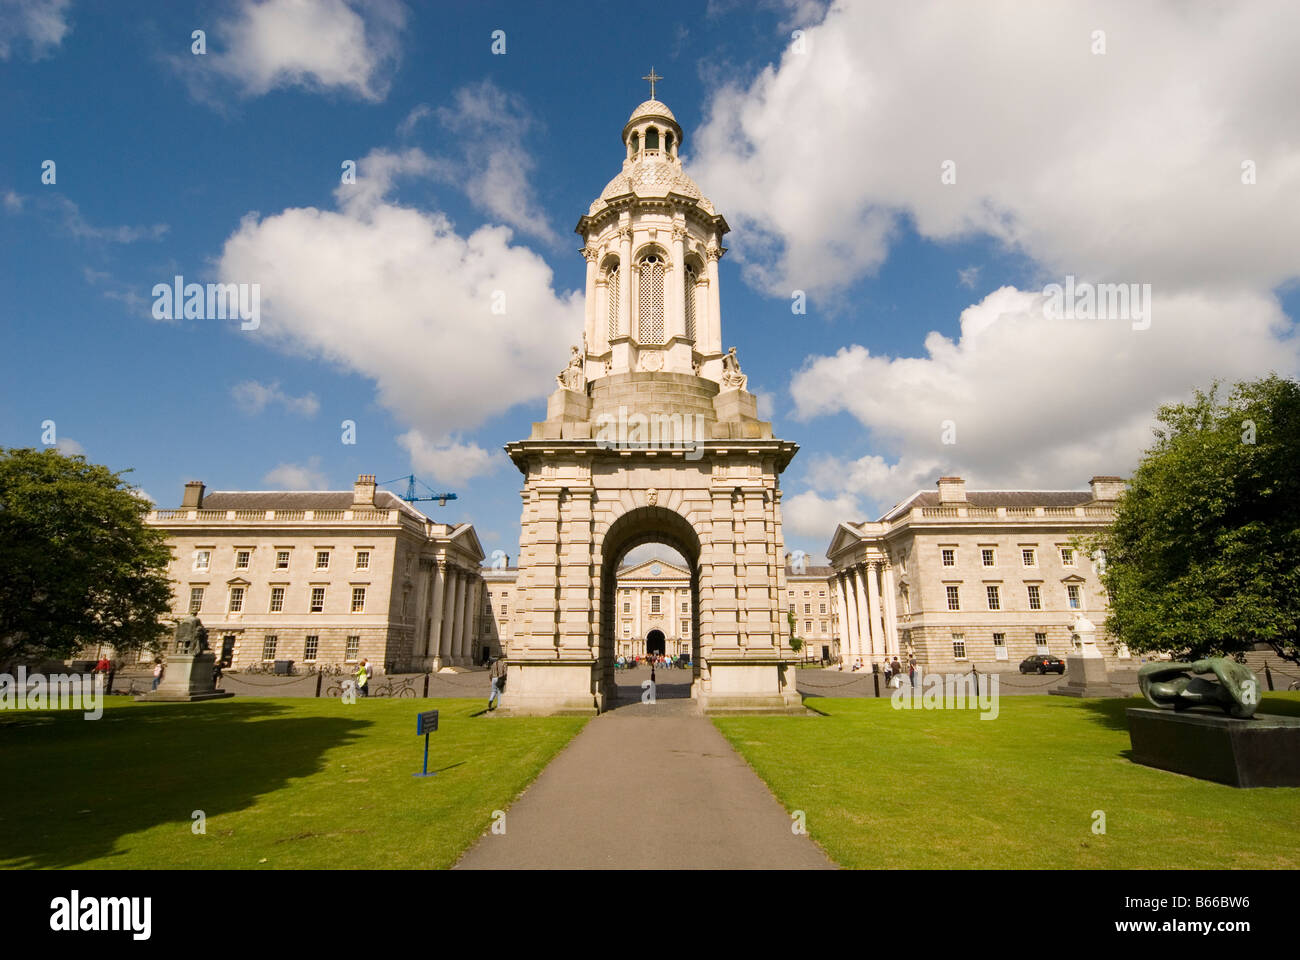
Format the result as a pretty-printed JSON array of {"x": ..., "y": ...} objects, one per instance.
[
  {"x": 1035, "y": 597},
  {"x": 995, "y": 601},
  {"x": 310, "y": 648},
  {"x": 317, "y": 599},
  {"x": 655, "y": 602},
  {"x": 1067, "y": 556},
  {"x": 821, "y": 593},
  {"x": 807, "y": 626},
  {"x": 242, "y": 558},
  {"x": 822, "y": 607},
  {"x": 627, "y": 628},
  {"x": 627, "y": 606},
  {"x": 686, "y": 606},
  {"x": 202, "y": 559},
  {"x": 236, "y": 599},
  {"x": 807, "y": 608},
  {"x": 322, "y": 559},
  {"x": 686, "y": 628},
  {"x": 792, "y": 608},
  {"x": 999, "y": 639},
  {"x": 954, "y": 597},
  {"x": 359, "y": 600},
  {"x": 1028, "y": 557},
  {"x": 824, "y": 630},
  {"x": 1040, "y": 643},
  {"x": 949, "y": 556},
  {"x": 269, "y": 643},
  {"x": 196, "y": 599},
  {"x": 792, "y": 593},
  {"x": 959, "y": 646},
  {"x": 988, "y": 556},
  {"x": 282, "y": 559},
  {"x": 363, "y": 559},
  {"x": 1072, "y": 592},
  {"x": 352, "y": 649},
  {"x": 277, "y": 599}
]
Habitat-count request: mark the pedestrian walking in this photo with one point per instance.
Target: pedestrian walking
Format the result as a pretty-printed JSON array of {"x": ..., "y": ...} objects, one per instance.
[
  {"x": 157, "y": 672},
  {"x": 363, "y": 678},
  {"x": 498, "y": 675}
]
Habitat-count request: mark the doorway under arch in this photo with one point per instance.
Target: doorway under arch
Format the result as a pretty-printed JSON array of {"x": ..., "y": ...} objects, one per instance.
[
  {"x": 639, "y": 526},
  {"x": 656, "y": 644}
]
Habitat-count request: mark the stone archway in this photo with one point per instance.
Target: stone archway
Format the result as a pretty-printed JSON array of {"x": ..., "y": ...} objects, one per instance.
[
  {"x": 647, "y": 524},
  {"x": 656, "y": 644}
]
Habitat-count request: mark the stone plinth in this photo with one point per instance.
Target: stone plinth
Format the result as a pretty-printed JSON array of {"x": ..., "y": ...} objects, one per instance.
[
  {"x": 187, "y": 678},
  {"x": 749, "y": 686},
  {"x": 1087, "y": 677},
  {"x": 1263, "y": 751},
  {"x": 557, "y": 688}
]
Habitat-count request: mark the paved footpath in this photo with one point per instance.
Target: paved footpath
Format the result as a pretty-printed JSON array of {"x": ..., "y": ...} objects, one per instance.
[{"x": 647, "y": 786}]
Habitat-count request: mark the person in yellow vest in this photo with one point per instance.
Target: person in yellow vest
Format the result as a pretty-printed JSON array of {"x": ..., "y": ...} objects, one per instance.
[{"x": 363, "y": 678}]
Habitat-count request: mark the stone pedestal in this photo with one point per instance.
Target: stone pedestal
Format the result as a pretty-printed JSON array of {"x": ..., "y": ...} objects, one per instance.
[
  {"x": 557, "y": 688},
  {"x": 1263, "y": 751},
  {"x": 1087, "y": 677},
  {"x": 187, "y": 678},
  {"x": 751, "y": 686}
]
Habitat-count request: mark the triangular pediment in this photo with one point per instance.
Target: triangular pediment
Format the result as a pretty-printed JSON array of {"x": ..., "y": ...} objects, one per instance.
[
  {"x": 845, "y": 537},
  {"x": 645, "y": 571}
]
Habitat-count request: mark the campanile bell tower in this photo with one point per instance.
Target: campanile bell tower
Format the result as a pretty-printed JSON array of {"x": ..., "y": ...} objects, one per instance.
[{"x": 650, "y": 436}]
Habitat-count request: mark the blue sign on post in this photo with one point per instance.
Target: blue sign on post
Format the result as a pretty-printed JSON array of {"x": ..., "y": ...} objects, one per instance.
[{"x": 426, "y": 723}]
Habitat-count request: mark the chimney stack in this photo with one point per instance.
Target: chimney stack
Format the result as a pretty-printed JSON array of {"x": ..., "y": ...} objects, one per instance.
[
  {"x": 1106, "y": 488},
  {"x": 363, "y": 493},
  {"x": 952, "y": 490},
  {"x": 193, "y": 498}
]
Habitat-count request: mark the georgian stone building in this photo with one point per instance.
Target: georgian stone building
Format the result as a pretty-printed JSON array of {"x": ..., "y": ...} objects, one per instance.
[
  {"x": 325, "y": 577},
  {"x": 811, "y": 598},
  {"x": 981, "y": 577}
]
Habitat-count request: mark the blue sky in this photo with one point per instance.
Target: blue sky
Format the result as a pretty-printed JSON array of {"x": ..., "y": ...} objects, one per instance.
[{"x": 825, "y": 158}]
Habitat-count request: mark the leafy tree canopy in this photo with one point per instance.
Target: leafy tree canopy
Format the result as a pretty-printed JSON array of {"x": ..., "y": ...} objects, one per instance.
[
  {"x": 78, "y": 565},
  {"x": 1204, "y": 556}
]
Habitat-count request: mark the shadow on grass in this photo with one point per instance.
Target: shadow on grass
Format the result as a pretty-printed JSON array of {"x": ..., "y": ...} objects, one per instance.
[
  {"x": 74, "y": 787},
  {"x": 1112, "y": 712}
]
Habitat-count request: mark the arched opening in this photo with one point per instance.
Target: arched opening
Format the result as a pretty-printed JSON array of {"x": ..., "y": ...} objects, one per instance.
[
  {"x": 635, "y": 144},
  {"x": 651, "y": 269},
  {"x": 631, "y": 619},
  {"x": 656, "y": 644},
  {"x": 668, "y": 143},
  {"x": 651, "y": 139}
]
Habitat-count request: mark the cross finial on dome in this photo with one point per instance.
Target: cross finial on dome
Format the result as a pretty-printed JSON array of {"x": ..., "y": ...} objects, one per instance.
[{"x": 652, "y": 77}]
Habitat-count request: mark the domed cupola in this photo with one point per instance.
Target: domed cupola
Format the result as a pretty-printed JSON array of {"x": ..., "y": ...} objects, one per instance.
[{"x": 652, "y": 242}]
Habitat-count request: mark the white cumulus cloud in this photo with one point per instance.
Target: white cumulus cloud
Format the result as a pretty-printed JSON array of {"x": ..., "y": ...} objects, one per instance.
[
  {"x": 252, "y": 397},
  {"x": 297, "y": 476},
  {"x": 36, "y": 25}
]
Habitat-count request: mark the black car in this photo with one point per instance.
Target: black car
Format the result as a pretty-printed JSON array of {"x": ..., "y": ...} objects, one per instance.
[{"x": 1042, "y": 663}]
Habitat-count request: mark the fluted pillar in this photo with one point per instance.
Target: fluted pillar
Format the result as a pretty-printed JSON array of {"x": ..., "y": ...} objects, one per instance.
[
  {"x": 873, "y": 607},
  {"x": 448, "y": 615},
  {"x": 863, "y": 620},
  {"x": 420, "y": 645},
  {"x": 471, "y": 616},
  {"x": 458, "y": 621},
  {"x": 852, "y": 628},
  {"x": 842, "y": 605},
  {"x": 437, "y": 613},
  {"x": 891, "y": 608}
]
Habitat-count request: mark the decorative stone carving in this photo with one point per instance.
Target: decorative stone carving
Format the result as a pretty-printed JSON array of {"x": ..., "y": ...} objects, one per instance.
[
  {"x": 652, "y": 497},
  {"x": 732, "y": 378},
  {"x": 652, "y": 360},
  {"x": 572, "y": 377}
]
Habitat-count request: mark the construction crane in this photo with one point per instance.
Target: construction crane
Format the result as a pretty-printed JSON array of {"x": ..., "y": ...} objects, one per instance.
[{"x": 410, "y": 496}]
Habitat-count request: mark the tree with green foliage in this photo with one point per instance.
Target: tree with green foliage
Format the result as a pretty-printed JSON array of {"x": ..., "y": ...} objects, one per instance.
[
  {"x": 78, "y": 564},
  {"x": 1204, "y": 556},
  {"x": 796, "y": 643}
]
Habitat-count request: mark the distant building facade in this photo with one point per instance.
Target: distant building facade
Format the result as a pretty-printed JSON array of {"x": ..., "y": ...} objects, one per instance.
[
  {"x": 811, "y": 598},
  {"x": 987, "y": 578},
  {"x": 326, "y": 578}
]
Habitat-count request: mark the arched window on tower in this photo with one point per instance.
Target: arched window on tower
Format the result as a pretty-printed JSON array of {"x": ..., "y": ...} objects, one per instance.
[
  {"x": 650, "y": 299},
  {"x": 689, "y": 307},
  {"x": 636, "y": 143},
  {"x": 651, "y": 139},
  {"x": 668, "y": 143},
  {"x": 611, "y": 299}
]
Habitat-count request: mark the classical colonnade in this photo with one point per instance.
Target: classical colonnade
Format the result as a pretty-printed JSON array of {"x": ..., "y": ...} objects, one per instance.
[
  {"x": 447, "y": 603},
  {"x": 868, "y": 619}
]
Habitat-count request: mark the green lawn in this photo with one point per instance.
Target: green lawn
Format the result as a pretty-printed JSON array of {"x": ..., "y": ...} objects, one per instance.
[
  {"x": 288, "y": 782},
  {"x": 943, "y": 789}
]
